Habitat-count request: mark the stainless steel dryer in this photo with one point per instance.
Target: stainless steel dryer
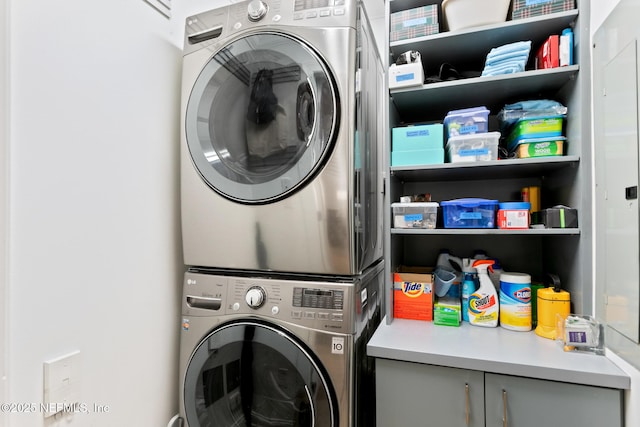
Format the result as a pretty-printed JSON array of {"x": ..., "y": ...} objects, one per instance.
[
  {"x": 278, "y": 351},
  {"x": 281, "y": 167}
]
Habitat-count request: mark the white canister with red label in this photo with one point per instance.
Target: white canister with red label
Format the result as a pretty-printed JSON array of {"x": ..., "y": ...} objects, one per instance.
[{"x": 513, "y": 215}]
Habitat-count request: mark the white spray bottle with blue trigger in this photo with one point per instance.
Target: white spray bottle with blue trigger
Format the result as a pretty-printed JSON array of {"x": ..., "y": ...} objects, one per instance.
[
  {"x": 484, "y": 305},
  {"x": 494, "y": 272}
]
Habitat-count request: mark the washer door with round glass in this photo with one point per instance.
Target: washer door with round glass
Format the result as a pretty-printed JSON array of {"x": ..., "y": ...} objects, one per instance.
[
  {"x": 253, "y": 374},
  {"x": 261, "y": 117}
]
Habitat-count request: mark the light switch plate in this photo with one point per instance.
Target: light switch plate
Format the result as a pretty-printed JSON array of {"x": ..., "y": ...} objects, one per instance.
[{"x": 61, "y": 383}]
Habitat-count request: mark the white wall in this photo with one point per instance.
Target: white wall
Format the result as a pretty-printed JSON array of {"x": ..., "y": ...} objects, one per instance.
[{"x": 95, "y": 256}]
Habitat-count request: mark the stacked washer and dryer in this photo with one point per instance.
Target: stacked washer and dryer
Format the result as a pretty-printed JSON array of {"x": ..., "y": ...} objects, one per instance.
[{"x": 282, "y": 191}]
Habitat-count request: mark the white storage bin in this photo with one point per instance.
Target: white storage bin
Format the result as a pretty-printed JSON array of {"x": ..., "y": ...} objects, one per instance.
[
  {"x": 415, "y": 214},
  {"x": 474, "y": 147},
  {"x": 459, "y": 14}
]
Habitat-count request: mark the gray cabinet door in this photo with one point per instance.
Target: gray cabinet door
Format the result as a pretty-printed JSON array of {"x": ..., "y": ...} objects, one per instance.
[
  {"x": 414, "y": 395},
  {"x": 527, "y": 402},
  {"x": 616, "y": 86}
]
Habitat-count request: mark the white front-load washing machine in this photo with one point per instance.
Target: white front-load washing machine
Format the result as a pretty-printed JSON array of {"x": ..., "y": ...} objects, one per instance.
[
  {"x": 278, "y": 351},
  {"x": 280, "y": 136}
]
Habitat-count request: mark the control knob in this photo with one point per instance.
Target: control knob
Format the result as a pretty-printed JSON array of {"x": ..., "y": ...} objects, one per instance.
[
  {"x": 255, "y": 297},
  {"x": 256, "y": 10}
]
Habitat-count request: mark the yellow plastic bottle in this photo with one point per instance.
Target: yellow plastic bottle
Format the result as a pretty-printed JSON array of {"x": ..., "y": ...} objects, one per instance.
[{"x": 484, "y": 305}]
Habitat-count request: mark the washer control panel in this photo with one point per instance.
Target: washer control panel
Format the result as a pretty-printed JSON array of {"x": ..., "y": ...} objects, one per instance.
[
  {"x": 315, "y": 303},
  {"x": 256, "y": 10},
  {"x": 320, "y": 305},
  {"x": 255, "y": 296}
]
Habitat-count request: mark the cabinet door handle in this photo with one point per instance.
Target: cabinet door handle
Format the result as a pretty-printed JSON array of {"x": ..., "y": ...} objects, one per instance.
[
  {"x": 504, "y": 408},
  {"x": 466, "y": 402}
]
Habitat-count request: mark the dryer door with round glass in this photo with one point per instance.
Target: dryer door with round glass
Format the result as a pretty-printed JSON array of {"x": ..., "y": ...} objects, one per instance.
[
  {"x": 250, "y": 373},
  {"x": 261, "y": 117}
]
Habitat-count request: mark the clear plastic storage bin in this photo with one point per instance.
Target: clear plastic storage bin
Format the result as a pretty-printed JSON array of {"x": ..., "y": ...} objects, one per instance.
[
  {"x": 473, "y": 148},
  {"x": 415, "y": 214}
]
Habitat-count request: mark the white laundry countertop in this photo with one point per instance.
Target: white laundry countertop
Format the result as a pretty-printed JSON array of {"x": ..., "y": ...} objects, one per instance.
[{"x": 495, "y": 350}]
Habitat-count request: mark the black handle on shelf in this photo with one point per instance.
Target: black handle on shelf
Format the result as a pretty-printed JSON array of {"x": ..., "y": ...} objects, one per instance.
[{"x": 631, "y": 193}]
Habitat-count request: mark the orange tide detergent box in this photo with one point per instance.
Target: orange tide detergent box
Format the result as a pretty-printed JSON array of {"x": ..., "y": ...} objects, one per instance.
[{"x": 413, "y": 293}]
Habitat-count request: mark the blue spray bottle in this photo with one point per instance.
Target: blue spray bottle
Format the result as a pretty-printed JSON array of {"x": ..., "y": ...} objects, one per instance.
[
  {"x": 469, "y": 285},
  {"x": 566, "y": 47}
]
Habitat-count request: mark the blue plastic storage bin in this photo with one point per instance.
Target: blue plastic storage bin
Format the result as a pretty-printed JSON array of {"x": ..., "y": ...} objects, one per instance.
[{"x": 469, "y": 213}]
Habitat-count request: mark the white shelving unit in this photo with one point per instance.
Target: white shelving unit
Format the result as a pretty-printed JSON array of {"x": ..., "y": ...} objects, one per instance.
[{"x": 492, "y": 376}]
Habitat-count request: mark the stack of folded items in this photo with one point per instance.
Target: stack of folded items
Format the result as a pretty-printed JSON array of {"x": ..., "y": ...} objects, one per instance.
[
  {"x": 507, "y": 59},
  {"x": 533, "y": 128}
]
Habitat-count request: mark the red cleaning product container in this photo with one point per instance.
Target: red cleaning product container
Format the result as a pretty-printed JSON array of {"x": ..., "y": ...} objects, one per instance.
[{"x": 514, "y": 215}]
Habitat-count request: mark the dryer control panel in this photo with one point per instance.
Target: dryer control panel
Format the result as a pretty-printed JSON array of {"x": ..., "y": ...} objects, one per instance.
[
  {"x": 219, "y": 24},
  {"x": 312, "y": 9},
  {"x": 321, "y": 13},
  {"x": 330, "y": 306}
]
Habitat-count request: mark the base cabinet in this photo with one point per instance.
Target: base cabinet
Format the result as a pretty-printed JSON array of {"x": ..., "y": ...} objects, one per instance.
[
  {"x": 527, "y": 402},
  {"x": 413, "y": 395}
]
